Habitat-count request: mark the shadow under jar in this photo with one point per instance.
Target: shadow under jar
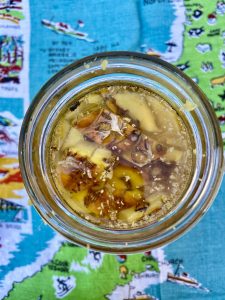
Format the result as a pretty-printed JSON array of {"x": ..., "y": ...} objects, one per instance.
[{"x": 121, "y": 152}]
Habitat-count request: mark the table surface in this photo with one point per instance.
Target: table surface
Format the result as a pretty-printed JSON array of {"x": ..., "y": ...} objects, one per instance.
[{"x": 36, "y": 40}]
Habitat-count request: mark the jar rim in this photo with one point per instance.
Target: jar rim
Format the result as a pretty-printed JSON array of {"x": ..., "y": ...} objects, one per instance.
[{"x": 40, "y": 105}]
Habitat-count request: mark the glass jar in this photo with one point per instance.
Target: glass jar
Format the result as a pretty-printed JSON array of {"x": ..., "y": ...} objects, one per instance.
[{"x": 87, "y": 75}]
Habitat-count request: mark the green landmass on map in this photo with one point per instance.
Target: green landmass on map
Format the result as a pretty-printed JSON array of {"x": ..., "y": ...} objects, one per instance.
[
  {"x": 14, "y": 13},
  {"x": 19, "y": 62},
  {"x": 92, "y": 285},
  {"x": 213, "y": 35}
]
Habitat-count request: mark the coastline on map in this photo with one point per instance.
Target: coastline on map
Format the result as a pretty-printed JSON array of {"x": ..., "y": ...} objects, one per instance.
[
  {"x": 142, "y": 281},
  {"x": 177, "y": 32},
  {"x": 20, "y": 273}
]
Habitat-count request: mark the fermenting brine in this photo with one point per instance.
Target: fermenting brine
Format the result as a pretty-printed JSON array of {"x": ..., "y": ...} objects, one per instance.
[{"x": 121, "y": 157}]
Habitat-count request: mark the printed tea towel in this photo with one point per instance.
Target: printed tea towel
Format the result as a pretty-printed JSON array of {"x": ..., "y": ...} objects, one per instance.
[{"x": 36, "y": 40}]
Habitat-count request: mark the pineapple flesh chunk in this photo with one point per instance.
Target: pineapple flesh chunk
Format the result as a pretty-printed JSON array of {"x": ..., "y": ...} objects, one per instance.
[
  {"x": 131, "y": 197},
  {"x": 138, "y": 110},
  {"x": 94, "y": 99},
  {"x": 167, "y": 117},
  {"x": 129, "y": 174},
  {"x": 130, "y": 215},
  {"x": 155, "y": 202},
  {"x": 173, "y": 155},
  {"x": 100, "y": 156},
  {"x": 61, "y": 132},
  {"x": 74, "y": 136},
  {"x": 76, "y": 201},
  {"x": 83, "y": 148}
]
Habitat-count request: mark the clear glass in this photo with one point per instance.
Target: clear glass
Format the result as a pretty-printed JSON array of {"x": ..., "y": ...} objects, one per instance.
[{"x": 87, "y": 75}]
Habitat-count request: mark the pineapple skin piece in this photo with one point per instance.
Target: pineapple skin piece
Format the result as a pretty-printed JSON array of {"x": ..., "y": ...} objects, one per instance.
[
  {"x": 91, "y": 103},
  {"x": 99, "y": 156},
  {"x": 88, "y": 119}
]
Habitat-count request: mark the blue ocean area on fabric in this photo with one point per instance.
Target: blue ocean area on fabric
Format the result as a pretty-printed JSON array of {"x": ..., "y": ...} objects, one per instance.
[
  {"x": 16, "y": 109},
  {"x": 35, "y": 242},
  {"x": 156, "y": 30},
  {"x": 109, "y": 31}
]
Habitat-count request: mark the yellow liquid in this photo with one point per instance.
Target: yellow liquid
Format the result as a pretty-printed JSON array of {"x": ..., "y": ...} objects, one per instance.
[{"x": 121, "y": 157}]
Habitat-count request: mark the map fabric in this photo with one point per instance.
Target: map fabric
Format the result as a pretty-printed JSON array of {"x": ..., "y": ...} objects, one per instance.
[{"x": 36, "y": 40}]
